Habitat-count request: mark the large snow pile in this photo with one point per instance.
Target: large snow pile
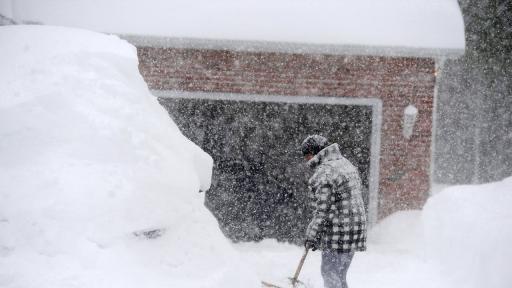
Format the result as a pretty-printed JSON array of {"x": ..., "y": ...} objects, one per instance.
[
  {"x": 469, "y": 234},
  {"x": 87, "y": 158}
]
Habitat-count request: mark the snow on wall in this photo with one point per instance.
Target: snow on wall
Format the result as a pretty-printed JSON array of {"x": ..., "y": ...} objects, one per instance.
[
  {"x": 87, "y": 158},
  {"x": 468, "y": 234},
  {"x": 390, "y": 23}
]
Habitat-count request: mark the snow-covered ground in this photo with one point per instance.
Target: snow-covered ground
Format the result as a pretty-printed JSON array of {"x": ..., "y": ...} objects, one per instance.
[
  {"x": 88, "y": 159},
  {"x": 395, "y": 258},
  {"x": 462, "y": 238}
]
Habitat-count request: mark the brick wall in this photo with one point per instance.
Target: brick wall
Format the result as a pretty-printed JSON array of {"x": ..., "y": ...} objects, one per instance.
[{"x": 404, "y": 164}]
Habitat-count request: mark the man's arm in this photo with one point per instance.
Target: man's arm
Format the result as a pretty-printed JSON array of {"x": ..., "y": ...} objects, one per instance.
[{"x": 323, "y": 203}]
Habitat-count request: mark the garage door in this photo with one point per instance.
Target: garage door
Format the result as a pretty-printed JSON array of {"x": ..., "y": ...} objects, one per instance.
[{"x": 260, "y": 178}]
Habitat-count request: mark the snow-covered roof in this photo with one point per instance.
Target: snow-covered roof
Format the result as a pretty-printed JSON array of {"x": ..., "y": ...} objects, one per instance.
[{"x": 415, "y": 27}]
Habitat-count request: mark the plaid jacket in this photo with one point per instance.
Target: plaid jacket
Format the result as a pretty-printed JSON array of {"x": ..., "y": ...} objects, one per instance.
[{"x": 339, "y": 218}]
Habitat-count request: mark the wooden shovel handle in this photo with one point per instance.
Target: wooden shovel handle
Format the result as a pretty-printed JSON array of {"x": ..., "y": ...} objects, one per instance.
[{"x": 297, "y": 272}]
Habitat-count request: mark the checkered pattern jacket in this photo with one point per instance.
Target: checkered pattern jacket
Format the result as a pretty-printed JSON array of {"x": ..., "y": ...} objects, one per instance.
[{"x": 339, "y": 218}]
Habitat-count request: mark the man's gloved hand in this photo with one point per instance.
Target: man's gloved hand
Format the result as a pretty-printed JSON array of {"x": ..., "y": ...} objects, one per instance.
[{"x": 310, "y": 244}]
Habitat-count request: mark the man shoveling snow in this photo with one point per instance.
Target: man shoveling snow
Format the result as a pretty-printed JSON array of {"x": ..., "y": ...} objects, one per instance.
[{"x": 338, "y": 227}]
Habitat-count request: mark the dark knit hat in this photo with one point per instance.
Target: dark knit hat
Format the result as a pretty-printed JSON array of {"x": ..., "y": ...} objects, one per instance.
[{"x": 313, "y": 144}]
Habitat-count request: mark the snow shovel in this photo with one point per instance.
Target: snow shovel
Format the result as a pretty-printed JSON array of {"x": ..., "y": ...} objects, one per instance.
[{"x": 295, "y": 279}]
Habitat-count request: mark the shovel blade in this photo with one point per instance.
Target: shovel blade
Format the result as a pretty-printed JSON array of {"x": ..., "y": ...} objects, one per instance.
[{"x": 270, "y": 285}]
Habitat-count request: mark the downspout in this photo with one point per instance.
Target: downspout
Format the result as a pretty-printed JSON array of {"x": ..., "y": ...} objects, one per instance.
[
  {"x": 437, "y": 74},
  {"x": 13, "y": 15},
  {"x": 476, "y": 137}
]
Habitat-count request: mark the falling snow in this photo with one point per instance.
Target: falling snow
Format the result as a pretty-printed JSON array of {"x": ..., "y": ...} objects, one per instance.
[{"x": 102, "y": 184}]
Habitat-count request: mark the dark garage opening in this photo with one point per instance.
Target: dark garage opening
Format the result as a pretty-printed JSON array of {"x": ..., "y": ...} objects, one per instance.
[{"x": 259, "y": 187}]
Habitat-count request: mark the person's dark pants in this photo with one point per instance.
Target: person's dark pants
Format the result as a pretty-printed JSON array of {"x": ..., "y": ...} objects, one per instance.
[{"x": 334, "y": 268}]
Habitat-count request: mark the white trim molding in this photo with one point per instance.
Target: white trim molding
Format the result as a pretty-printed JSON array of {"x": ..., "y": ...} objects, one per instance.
[
  {"x": 439, "y": 73},
  {"x": 374, "y": 103}
]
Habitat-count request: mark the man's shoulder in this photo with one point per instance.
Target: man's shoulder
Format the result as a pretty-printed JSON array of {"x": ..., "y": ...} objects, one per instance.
[
  {"x": 343, "y": 164},
  {"x": 333, "y": 172},
  {"x": 325, "y": 174}
]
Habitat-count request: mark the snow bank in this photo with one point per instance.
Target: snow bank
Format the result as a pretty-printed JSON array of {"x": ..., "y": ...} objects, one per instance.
[
  {"x": 469, "y": 234},
  {"x": 87, "y": 158},
  {"x": 400, "y": 232},
  {"x": 390, "y": 23}
]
